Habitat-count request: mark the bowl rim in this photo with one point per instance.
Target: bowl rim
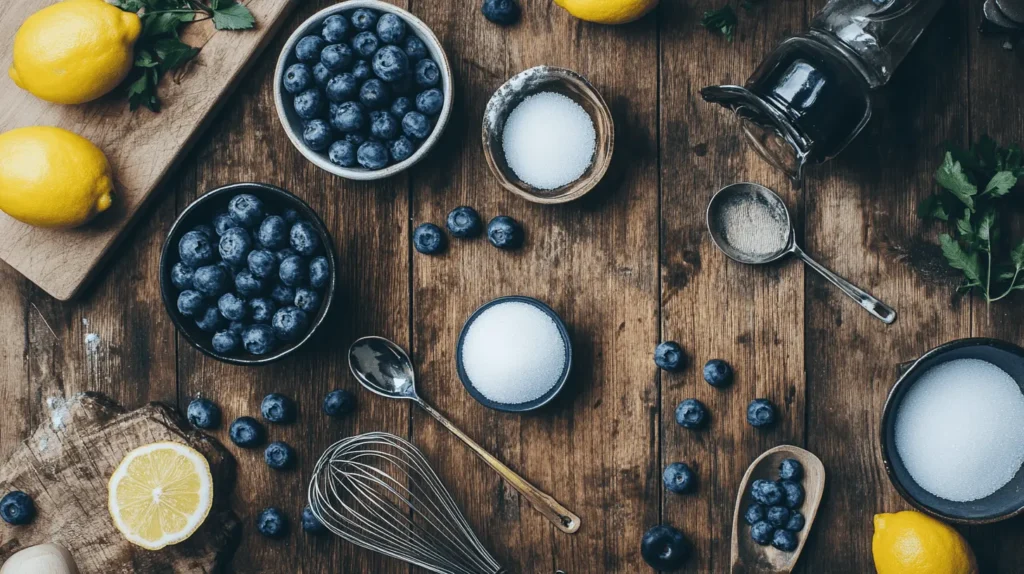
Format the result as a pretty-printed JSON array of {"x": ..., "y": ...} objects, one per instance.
[
  {"x": 571, "y": 191},
  {"x": 888, "y": 419},
  {"x": 548, "y": 395},
  {"x": 437, "y": 52},
  {"x": 167, "y": 253}
]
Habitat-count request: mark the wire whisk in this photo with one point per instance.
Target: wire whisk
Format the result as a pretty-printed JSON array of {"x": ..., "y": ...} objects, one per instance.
[{"x": 376, "y": 490}]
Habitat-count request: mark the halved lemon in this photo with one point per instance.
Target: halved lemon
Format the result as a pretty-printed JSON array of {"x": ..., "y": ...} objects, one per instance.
[{"x": 160, "y": 494}]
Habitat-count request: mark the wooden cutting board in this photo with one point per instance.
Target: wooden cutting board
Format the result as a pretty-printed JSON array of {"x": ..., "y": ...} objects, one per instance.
[
  {"x": 65, "y": 466},
  {"x": 142, "y": 146}
]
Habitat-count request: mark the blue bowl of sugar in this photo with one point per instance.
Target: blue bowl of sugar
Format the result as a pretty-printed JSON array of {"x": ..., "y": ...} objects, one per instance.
[{"x": 514, "y": 354}]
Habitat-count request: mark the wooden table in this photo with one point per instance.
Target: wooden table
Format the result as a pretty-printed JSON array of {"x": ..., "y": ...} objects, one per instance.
[{"x": 626, "y": 268}]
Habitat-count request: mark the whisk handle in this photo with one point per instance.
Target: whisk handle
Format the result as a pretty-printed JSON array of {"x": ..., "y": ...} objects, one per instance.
[{"x": 563, "y": 518}]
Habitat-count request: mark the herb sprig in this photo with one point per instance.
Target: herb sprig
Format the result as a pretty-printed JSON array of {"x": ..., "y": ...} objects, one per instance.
[
  {"x": 159, "y": 48},
  {"x": 723, "y": 21},
  {"x": 976, "y": 183}
]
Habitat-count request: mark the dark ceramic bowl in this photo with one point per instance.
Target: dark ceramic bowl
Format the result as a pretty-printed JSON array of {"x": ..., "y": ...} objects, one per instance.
[
  {"x": 1004, "y": 503},
  {"x": 202, "y": 210},
  {"x": 517, "y": 407}
]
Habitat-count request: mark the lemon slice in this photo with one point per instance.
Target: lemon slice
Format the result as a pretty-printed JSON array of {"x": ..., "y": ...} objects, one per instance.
[{"x": 160, "y": 494}]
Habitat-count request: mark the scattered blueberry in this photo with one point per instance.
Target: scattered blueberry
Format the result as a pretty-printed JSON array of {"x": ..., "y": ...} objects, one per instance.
[
  {"x": 293, "y": 271},
  {"x": 279, "y": 456},
  {"x": 428, "y": 239},
  {"x": 796, "y": 522},
  {"x": 258, "y": 339},
  {"x": 209, "y": 320},
  {"x": 226, "y": 342},
  {"x": 717, "y": 373},
  {"x": 760, "y": 413},
  {"x": 342, "y": 88},
  {"x": 364, "y": 19},
  {"x": 762, "y": 532},
  {"x": 669, "y": 356},
  {"x": 246, "y": 432},
  {"x": 372, "y": 155},
  {"x": 362, "y": 70},
  {"x": 307, "y": 300},
  {"x": 390, "y": 63},
  {"x": 195, "y": 249},
  {"x": 262, "y": 263},
  {"x": 308, "y": 48},
  {"x": 203, "y": 414},
  {"x": 319, "y": 272},
  {"x": 283, "y": 295},
  {"x": 308, "y": 104},
  {"x": 303, "y": 238},
  {"x": 191, "y": 303},
  {"x": 317, "y": 134},
  {"x": 374, "y": 94},
  {"x": 755, "y": 513},
  {"x": 427, "y": 73},
  {"x": 430, "y": 101},
  {"x": 339, "y": 403},
  {"x": 504, "y": 232},
  {"x": 664, "y": 548},
  {"x": 401, "y": 106},
  {"x": 784, "y": 540},
  {"x": 401, "y": 149},
  {"x": 464, "y": 222},
  {"x": 383, "y": 125},
  {"x": 791, "y": 469},
  {"x": 778, "y": 516},
  {"x": 691, "y": 414},
  {"x": 679, "y": 478},
  {"x": 501, "y": 12},
  {"x": 17, "y": 508},
  {"x": 766, "y": 492},
  {"x": 310, "y": 523},
  {"x": 247, "y": 284},
  {"x": 794, "y": 493},
  {"x": 390, "y": 29},
  {"x": 415, "y": 49},
  {"x": 298, "y": 77},
  {"x": 277, "y": 408},
  {"x": 231, "y": 307},
  {"x": 181, "y": 275},
  {"x": 337, "y": 57},
  {"x": 348, "y": 117},
  {"x": 365, "y": 44},
  {"x": 335, "y": 28},
  {"x": 272, "y": 523},
  {"x": 246, "y": 210},
  {"x": 261, "y": 310},
  {"x": 321, "y": 75},
  {"x": 235, "y": 245},
  {"x": 289, "y": 323},
  {"x": 343, "y": 153}
]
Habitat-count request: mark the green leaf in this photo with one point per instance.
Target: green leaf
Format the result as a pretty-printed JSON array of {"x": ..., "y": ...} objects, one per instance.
[
  {"x": 985, "y": 226},
  {"x": 960, "y": 259},
  {"x": 232, "y": 16},
  {"x": 721, "y": 22},
  {"x": 173, "y": 53},
  {"x": 145, "y": 59},
  {"x": 932, "y": 207},
  {"x": 163, "y": 23},
  {"x": 128, "y": 5},
  {"x": 952, "y": 177},
  {"x": 1017, "y": 256},
  {"x": 1000, "y": 184}
]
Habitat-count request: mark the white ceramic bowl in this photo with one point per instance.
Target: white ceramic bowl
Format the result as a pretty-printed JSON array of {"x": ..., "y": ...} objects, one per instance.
[{"x": 293, "y": 124}]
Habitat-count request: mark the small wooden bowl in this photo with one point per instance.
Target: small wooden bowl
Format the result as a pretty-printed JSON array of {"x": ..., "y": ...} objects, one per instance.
[{"x": 511, "y": 94}]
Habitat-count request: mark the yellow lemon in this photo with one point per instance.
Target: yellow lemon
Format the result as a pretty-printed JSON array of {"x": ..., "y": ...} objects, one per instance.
[
  {"x": 74, "y": 51},
  {"x": 50, "y": 177},
  {"x": 160, "y": 494},
  {"x": 608, "y": 11},
  {"x": 910, "y": 542}
]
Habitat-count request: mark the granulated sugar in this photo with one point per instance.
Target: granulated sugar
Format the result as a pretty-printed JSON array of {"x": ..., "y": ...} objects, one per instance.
[
  {"x": 753, "y": 227},
  {"x": 959, "y": 430},
  {"x": 549, "y": 140},
  {"x": 513, "y": 353}
]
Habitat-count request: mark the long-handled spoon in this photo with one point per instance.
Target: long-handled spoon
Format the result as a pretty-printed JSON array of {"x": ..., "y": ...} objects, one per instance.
[{"x": 382, "y": 367}]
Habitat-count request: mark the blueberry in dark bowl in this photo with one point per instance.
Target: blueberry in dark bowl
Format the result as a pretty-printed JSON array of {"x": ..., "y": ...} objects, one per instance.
[
  {"x": 342, "y": 88},
  {"x": 691, "y": 414},
  {"x": 181, "y": 275},
  {"x": 383, "y": 125},
  {"x": 430, "y": 102},
  {"x": 401, "y": 106},
  {"x": 297, "y": 78},
  {"x": 343, "y": 153},
  {"x": 258, "y": 339},
  {"x": 784, "y": 540},
  {"x": 262, "y": 263},
  {"x": 294, "y": 271},
  {"x": 279, "y": 455},
  {"x": 307, "y": 300},
  {"x": 289, "y": 323},
  {"x": 246, "y": 209},
  {"x": 464, "y": 222},
  {"x": 755, "y": 513},
  {"x": 304, "y": 239},
  {"x": 236, "y": 327},
  {"x": 278, "y": 408},
  {"x": 317, "y": 134},
  {"x": 365, "y": 44},
  {"x": 203, "y": 413},
  {"x": 319, "y": 272},
  {"x": 232, "y": 307},
  {"x": 282, "y": 254},
  {"x": 195, "y": 248},
  {"x": 261, "y": 310},
  {"x": 235, "y": 245},
  {"x": 339, "y": 403},
  {"x": 416, "y": 125},
  {"x": 321, "y": 75},
  {"x": 501, "y": 12},
  {"x": 767, "y": 492},
  {"x": 246, "y": 432},
  {"x": 777, "y": 516},
  {"x": 272, "y": 523},
  {"x": 760, "y": 413},
  {"x": 308, "y": 104},
  {"x": 794, "y": 493},
  {"x": 427, "y": 74},
  {"x": 669, "y": 356},
  {"x": 335, "y": 28},
  {"x": 390, "y": 28},
  {"x": 337, "y": 57},
  {"x": 664, "y": 548},
  {"x": 679, "y": 478},
  {"x": 17, "y": 508},
  {"x": 348, "y": 117},
  {"x": 428, "y": 239},
  {"x": 247, "y": 284},
  {"x": 226, "y": 341},
  {"x": 791, "y": 469},
  {"x": 310, "y": 523},
  {"x": 415, "y": 49},
  {"x": 372, "y": 155},
  {"x": 191, "y": 303},
  {"x": 401, "y": 149},
  {"x": 308, "y": 48},
  {"x": 223, "y": 222},
  {"x": 374, "y": 94},
  {"x": 282, "y": 295},
  {"x": 717, "y": 373},
  {"x": 364, "y": 19},
  {"x": 390, "y": 63},
  {"x": 761, "y": 532},
  {"x": 796, "y": 522},
  {"x": 362, "y": 70},
  {"x": 209, "y": 320},
  {"x": 504, "y": 232}
]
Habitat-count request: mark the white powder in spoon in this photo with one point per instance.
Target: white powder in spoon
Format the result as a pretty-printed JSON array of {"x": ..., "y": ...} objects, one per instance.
[{"x": 752, "y": 226}]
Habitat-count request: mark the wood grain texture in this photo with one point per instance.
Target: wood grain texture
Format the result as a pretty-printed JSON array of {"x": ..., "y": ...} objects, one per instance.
[{"x": 142, "y": 146}]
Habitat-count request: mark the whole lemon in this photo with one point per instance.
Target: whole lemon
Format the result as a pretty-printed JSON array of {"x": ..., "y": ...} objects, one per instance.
[
  {"x": 608, "y": 11},
  {"x": 74, "y": 51},
  {"x": 50, "y": 177},
  {"x": 910, "y": 542}
]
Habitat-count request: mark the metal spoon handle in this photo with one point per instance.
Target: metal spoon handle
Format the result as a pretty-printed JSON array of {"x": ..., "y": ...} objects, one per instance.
[
  {"x": 881, "y": 311},
  {"x": 563, "y": 518}
]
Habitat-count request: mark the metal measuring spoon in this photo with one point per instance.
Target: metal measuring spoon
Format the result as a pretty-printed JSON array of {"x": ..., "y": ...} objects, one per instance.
[
  {"x": 382, "y": 367},
  {"x": 731, "y": 196}
]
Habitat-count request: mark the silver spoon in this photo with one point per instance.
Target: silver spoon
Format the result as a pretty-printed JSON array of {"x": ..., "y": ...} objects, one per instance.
[
  {"x": 382, "y": 367},
  {"x": 781, "y": 240}
]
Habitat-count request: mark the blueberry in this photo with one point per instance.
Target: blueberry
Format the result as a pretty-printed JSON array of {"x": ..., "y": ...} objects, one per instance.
[
  {"x": 401, "y": 149},
  {"x": 206, "y": 230},
  {"x": 664, "y": 548},
  {"x": 335, "y": 28},
  {"x": 348, "y": 117},
  {"x": 464, "y": 222},
  {"x": 365, "y": 44},
  {"x": 679, "y": 478},
  {"x": 226, "y": 342},
  {"x": 669, "y": 356},
  {"x": 717, "y": 373},
  {"x": 356, "y": 138},
  {"x": 223, "y": 222},
  {"x": 755, "y": 513},
  {"x": 319, "y": 272},
  {"x": 784, "y": 540},
  {"x": 342, "y": 88},
  {"x": 362, "y": 70},
  {"x": 760, "y": 413},
  {"x": 262, "y": 310},
  {"x": 231, "y": 307},
  {"x": 236, "y": 327},
  {"x": 342, "y": 153},
  {"x": 297, "y": 77},
  {"x": 203, "y": 414},
  {"x": 691, "y": 414},
  {"x": 339, "y": 403},
  {"x": 279, "y": 456},
  {"x": 293, "y": 271},
  {"x": 415, "y": 49},
  {"x": 427, "y": 73},
  {"x": 766, "y": 492},
  {"x": 262, "y": 263},
  {"x": 181, "y": 275},
  {"x": 277, "y": 408},
  {"x": 282, "y": 254},
  {"x": 211, "y": 280},
  {"x": 317, "y": 135},
  {"x": 209, "y": 320},
  {"x": 289, "y": 323},
  {"x": 235, "y": 245},
  {"x": 337, "y": 57},
  {"x": 777, "y": 516},
  {"x": 794, "y": 493},
  {"x": 390, "y": 29},
  {"x": 283, "y": 295},
  {"x": 307, "y": 300},
  {"x": 430, "y": 102},
  {"x": 308, "y": 104},
  {"x": 428, "y": 239},
  {"x": 246, "y": 209},
  {"x": 383, "y": 125},
  {"x": 364, "y": 19},
  {"x": 372, "y": 155},
  {"x": 390, "y": 64},
  {"x": 290, "y": 215},
  {"x": 762, "y": 532},
  {"x": 321, "y": 75},
  {"x": 401, "y": 106},
  {"x": 504, "y": 232},
  {"x": 17, "y": 508},
  {"x": 191, "y": 303},
  {"x": 195, "y": 249},
  {"x": 501, "y": 12},
  {"x": 791, "y": 469},
  {"x": 258, "y": 339},
  {"x": 310, "y": 523},
  {"x": 304, "y": 238},
  {"x": 416, "y": 125},
  {"x": 374, "y": 94},
  {"x": 796, "y": 522},
  {"x": 273, "y": 233},
  {"x": 272, "y": 523},
  {"x": 247, "y": 284},
  {"x": 308, "y": 48}
]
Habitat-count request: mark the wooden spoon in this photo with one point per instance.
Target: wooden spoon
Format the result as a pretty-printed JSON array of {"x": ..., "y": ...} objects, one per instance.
[{"x": 749, "y": 556}]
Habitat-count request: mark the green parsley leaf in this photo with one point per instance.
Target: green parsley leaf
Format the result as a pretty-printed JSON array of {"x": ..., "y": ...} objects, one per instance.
[
  {"x": 952, "y": 177},
  {"x": 985, "y": 228},
  {"x": 721, "y": 22},
  {"x": 232, "y": 16},
  {"x": 960, "y": 259},
  {"x": 1000, "y": 184},
  {"x": 1017, "y": 256},
  {"x": 173, "y": 53},
  {"x": 932, "y": 207},
  {"x": 160, "y": 23}
]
